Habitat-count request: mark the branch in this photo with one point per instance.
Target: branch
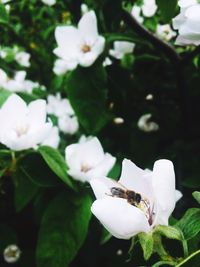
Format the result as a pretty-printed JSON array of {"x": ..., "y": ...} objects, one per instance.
[{"x": 158, "y": 43}]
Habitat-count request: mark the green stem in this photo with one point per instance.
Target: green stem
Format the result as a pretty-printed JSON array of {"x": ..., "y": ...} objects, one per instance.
[
  {"x": 161, "y": 263},
  {"x": 185, "y": 248},
  {"x": 188, "y": 258}
]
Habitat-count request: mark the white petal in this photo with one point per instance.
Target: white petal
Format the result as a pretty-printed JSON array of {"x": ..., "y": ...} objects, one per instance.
[
  {"x": 103, "y": 168},
  {"x": 13, "y": 109},
  {"x": 78, "y": 175},
  {"x": 163, "y": 179},
  {"x": 37, "y": 112},
  {"x": 101, "y": 186},
  {"x": 88, "y": 27},
  {"x": 178, "y": 195},
  {"x": 121, "y": 219},
  {"x": 136, "y": 179}
]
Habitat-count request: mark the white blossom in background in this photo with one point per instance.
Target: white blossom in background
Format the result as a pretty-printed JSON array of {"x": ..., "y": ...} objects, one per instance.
[
  {"x": 155, "y": 204},
  {"x": 23, "y": 58},
  {"x": 87, "y": 159},
  {"x": 149, "y": 97},
  {"x": 187, "y": 23},
  {"x": 121, "y": 48},
  {"x": 81, "y": 45},
  {"x": 136, "y": 13},
  {"x": 49, "y": 2},
  {"x": 149, "y": 8},
  {"x": 68, "y": 124},
  {"x": 145, "y": 125},
  {"x": 107, "y": 62},
  {"x": 18, "y": 83},
  {"x": 23, "y": 126},
  {"x": 118, "y": 120},
  {"x": 60, "y": 67},
  {"x": 165, "y": 32},
  {"x": 53, "y": 139},
  {"x": 62, "y": 109},
  {"x": 11, "y": 253},
  {"x": 84, "y": 9}
]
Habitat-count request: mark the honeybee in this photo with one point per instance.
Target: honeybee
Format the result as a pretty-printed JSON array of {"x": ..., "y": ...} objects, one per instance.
[{"x": 132, "y": 197}]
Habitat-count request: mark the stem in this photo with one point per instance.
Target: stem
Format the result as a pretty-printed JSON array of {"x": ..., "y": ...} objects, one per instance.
[
  {"x": 143, "y": 32},
  {"x": 185, "y": 248},
  {"x": 188, "y": 258},
  {"x": 161, "y": 263}
]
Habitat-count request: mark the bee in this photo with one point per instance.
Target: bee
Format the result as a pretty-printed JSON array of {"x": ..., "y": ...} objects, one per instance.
[{"x": 132, "y": 197}]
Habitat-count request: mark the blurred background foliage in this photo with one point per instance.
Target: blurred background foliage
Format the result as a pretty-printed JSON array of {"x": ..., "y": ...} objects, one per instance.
[{"x": 42, "y": 205}]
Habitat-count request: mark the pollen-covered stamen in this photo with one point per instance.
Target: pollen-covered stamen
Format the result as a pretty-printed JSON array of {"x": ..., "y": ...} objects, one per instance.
[
  {"x": 21, "y": 130},
  {"x": 85, "y": 168},
  {"x": 85, "y": 48},
  {"x": 145, "y": 206}
]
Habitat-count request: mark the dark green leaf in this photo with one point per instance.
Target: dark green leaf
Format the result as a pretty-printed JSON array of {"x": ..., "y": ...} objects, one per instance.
[
  {"x": 25, "y": 190},
  {"x": 86, "y": 88},
  {"x": 190, "y": 223},
  {"x": 167, "y": 8},
  {"x": 63, "y": 230},
  {"x": 56, "y": 163},
  {"x": 146, "y": 242}
]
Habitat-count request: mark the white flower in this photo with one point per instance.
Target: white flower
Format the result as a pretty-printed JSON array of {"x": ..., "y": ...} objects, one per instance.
[
  {"x": 80, "y": 45},
  {"x": 19, "y": 83},
  {"x": 60, "y": 67},
  {"x": 11, "y": 253},
  {"x": 146, "y": 125},
  {"x": 58, "y": 106},
  {"x": 165, "y": 32},
  {"x": 136, "y": 13},
  {"x": 23, "y": 58},
  {"x": 87, "y": 159},
  {"x": 187, "y": 23},
  {"x": 149, "y": 8},
  {"x": 23, "y": 126},
  {"x": 53, "y": 139},
  {"x": 68, "y": 124},
  {"x": 121, "y": 48},
  {"x": 155, "y": 200},
  {"x": 49, "y": 2}
]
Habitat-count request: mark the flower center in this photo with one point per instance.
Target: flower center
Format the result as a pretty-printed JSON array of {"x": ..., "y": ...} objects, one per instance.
[
  {"x": 85, "y": 48},
  {"x": 21, "y": 130},
  {"x": 85, "y": 168}
]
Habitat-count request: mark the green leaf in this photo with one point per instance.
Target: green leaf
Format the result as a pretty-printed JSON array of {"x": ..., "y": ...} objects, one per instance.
[
  {"x": 56, "y": 163},
  {"x": 3, "y": 14},
  {"x": 190, "y": 223},
  {"x": 146, "y": 242},
  {"x": 4, "y": 94},
  {"x": 25, "y": 190},
  {"x": 63, "y": 230},
  {"x": 167, "y": 9},
  {"x": 86, "y": 89},
  {"x": 36, "y": 169},
  {"x": 169, "y": 232},
  {"x": 196, "y": 195}
]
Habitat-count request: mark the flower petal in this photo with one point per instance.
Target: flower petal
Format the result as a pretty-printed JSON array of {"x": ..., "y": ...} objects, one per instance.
[
  {"x": 163, "y": 180},
  {"x": 136, "y": 179},
  {"x": 88, "y": 27},
  {"x": 121, "y": 219}
]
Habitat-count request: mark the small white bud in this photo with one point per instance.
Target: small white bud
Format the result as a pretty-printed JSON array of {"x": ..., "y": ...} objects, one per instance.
[
  {"x": 118, "y": 120},
  {"x": 149, "y": 97},
  {"x": 145, "y": 125},
  {"x": 11, "y": 254}
]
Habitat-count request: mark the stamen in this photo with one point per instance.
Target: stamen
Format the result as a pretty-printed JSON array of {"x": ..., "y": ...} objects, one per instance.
[
  {"x": 85, "y": 48},
  {"x": 85, "y": 168}
]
